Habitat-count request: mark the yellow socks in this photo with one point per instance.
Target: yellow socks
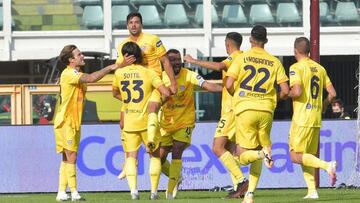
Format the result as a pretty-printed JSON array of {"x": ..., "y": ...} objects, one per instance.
[
  {"x": 71, "y": 176},
  {"x": 308, "y": 173},
  {"x": 250, "y": 156},
  {"x": 62, "y": 177},
  {"x": 254, "y": 175},
  {"x": 312, "y": 161},
  {"x": 228, "y": 160},
  {"x": 131, "y": 173},
  {"x": 165, "y": 168},
  {"x": 153, "y": 126},
  {"x": 155, "y": 171},
  {"x": 174, "y": 175}
]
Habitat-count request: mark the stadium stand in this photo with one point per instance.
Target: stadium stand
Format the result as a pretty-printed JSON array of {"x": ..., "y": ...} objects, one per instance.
[
  {"x": 346, "y": 12},
  {"x": 119, "y": 13},
  {"x": 150, "y": 15},
  {"x": 46, "y": 15},
  {"x": 175, "y": 15},
  {"x": 199, "y": 15}
]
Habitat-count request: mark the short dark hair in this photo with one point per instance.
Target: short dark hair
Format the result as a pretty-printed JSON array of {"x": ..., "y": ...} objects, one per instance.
[
  {"x": 236, "y": 37},
  {"x": 259, "y": 33},
  {"x": 131, "y": 48},
  {"x": 337, "y": 101},
  {"x": 172, "y": 51},
  {"x": 302, "y": 44},
  {"x": 133, "y": 14},
  {"x": 66, "y": 53}
]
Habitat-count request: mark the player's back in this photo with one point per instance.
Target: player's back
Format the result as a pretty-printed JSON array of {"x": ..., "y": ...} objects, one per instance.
[
  {"x": 257, "y": 72},
  {"x": 313, "y": 78},
  {"x": 136, "y": 84}
]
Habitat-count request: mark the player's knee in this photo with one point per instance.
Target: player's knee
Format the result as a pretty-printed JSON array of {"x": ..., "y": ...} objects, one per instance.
[
  {"x": 218, "y": 150},
  {"x": 153, "y": 107},
  {"x": 295, "y": 157}
]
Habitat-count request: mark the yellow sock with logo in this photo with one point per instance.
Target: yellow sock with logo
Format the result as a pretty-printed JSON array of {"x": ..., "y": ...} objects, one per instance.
[
  {"x": 228, "y": 160},
  {"x": 174, "y": 175},
  {"x": 254, "y": 175},
  {"x": 309, "y": 173},
  {"x": 71, "y": 176},
  {"x": 250, "y": 156},
  {"x": 165, "y": 168},
  {"x": 62, "y": 177},
  {"x": 155, "y": 172},
  {"x": 153, "y": 125},
  {"x": 131, "y": 173},
  {"x": 312, "y": 161}
]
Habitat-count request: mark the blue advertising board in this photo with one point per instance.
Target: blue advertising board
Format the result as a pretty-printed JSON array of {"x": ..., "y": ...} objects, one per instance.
[{"x": 29, "y": 162}]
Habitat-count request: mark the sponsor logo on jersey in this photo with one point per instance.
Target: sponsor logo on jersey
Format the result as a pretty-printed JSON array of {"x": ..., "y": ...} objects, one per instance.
[
  {"x": 292, "y": 72},
  {"x": 159, "y": 43},
  {"x": 182, "y": 87},
  {"x": 308, "y": 106},
  {"x": 242, "y": 94}
]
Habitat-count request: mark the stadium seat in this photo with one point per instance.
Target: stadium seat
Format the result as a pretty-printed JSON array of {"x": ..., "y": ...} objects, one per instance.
[
  {"x": 84, "y": 3},
  {"x": 93, "y": 17},
  {"x": 1, "y": 17},
  {"x": 137, "y": 3},
  {"x": 120, "y": 2},
  {"x": 324, "y": 14},
  {"x": 287, "y": 13},
  {"x": 260, "y": 13},
  {"x": 233, "y": 14},
  {"x": 175, "y": 15},
  {"x": 150, "y": 16},
  {"x": 199, "y": 15},
  {"x": 119, "y": 13},
  {"x": 346, "y": 12}
]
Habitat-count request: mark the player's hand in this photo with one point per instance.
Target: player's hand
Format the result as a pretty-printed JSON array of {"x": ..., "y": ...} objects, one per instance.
[
  {"x": 173, "y": 88},
  {"x": 150, "y": 147},
  {"x": 128, "y": 60},
  {"x": 188, "y": 58}
]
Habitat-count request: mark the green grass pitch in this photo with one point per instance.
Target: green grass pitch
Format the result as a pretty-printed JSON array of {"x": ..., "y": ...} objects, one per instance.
[{"x": 267, "y": 196}]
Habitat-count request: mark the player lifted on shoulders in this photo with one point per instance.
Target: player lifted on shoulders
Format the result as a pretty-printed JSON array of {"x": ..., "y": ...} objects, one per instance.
[{"x": 134, "y": 84}]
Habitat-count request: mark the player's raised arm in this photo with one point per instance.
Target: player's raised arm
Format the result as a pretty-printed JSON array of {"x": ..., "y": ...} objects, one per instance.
[
  {"x": 169, "y": 71},
  {"x": 217, "y": 66},
  {"x": 96, "y": 76}
]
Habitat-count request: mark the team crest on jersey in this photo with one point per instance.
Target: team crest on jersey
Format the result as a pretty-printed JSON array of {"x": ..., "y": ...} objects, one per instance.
[
  {"x": 230, "y": 58},
  {"x": 242, "y": 94},
  {"x": 69, "y": 142},
  {"x": 126, "y": 110},
  {"x": 159, "y": 43},
  {"x": 308, "y": 106},
  {"x": 76, "y": 72},
  {"x": 182, "y": 87},
  {"x": 292, "y": 72}
]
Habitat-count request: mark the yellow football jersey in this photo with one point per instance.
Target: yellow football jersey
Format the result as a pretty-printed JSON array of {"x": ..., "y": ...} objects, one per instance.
[
  {"x": 256, "y": 72},
  {"x": 312, "y": 78},
  {"x": 135, "y": 83},
  {"x": 226, "y": 98},
  {"x": 179, "y": 111},
  {"x": 71, "y": 100},
  {"x": 152, "y": 47}
]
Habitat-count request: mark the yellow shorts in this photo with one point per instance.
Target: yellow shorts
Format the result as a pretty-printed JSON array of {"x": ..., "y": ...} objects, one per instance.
[
  {"x": 155, "y": 96},
  {"x": 253, "y": 129},
  {"x": 67, "y": 137},
  {"x": 304, "y": 139},
  {"x": 182, "y": 135},
  {"x": 132, "y": 140},
  {"x": 226, "y": 126}
]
